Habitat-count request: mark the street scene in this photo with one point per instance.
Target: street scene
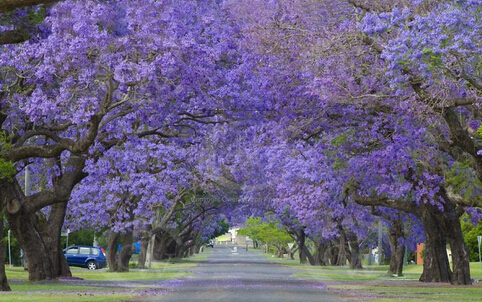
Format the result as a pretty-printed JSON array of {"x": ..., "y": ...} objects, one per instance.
[{"x": 241, "y": 150}]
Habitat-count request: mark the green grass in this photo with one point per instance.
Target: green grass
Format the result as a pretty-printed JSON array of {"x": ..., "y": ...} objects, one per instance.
[
  {"x": 373, "y": 284},
  {"x": 41, "y": 297},
  {"x": 159, "y": 272},
  {"x": 56, "y": 286},
  {"x": 406, "y": 291},
  {"x": 131, "y": 275},
  {"x": 162, "y": 270},
  {"x": 225, "y": 237},
  {"x": 112, "y": 286}
]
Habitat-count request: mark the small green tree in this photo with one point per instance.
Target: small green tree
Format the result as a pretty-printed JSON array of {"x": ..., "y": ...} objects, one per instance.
[{"x": 268, "y": 233}]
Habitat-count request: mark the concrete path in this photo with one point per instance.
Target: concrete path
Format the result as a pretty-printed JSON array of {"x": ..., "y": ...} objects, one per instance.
[{"x": 230, "y": 276}]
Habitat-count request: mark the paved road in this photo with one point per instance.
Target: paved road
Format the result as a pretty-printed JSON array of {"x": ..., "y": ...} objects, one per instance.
[{"x": 243, "y": 276}]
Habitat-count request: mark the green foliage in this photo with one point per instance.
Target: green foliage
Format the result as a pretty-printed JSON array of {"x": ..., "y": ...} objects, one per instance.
[
  {"x": 341, "y": 139},
  {"x": 471, "y": 232},
  {"x": 37, "y": 16},
  {"x": 84, "y": 237},
  {"x": 14, "y": 247},
  {"x": 7, "y": 168},
  {"x": 251, "y": 229},
  {"x": 223, "y": 230},
  {"x": 433, "y": 60},
  {"x": 265, "y": 232},
  {"x": 461, "y": 177}
]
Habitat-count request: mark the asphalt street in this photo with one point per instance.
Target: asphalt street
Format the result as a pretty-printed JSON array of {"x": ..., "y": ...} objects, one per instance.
[{"x": 237, "y": 276}]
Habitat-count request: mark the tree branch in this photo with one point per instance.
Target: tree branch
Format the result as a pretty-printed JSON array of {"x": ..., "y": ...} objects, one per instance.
[
  {"x": 351, "y": 189},
  {"x": 368, "y": 6},
  {"x": 13, "y": 36},
  {"x": 10, "y": 5}
]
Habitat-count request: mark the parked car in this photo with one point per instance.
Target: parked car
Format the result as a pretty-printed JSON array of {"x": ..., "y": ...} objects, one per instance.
[
  {"x": 90, "y": 257},
  {"x": 210, "y": 243}
]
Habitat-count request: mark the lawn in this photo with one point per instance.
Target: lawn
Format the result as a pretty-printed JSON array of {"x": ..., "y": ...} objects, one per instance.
[
  {"x": 222, "y": 238},
  {"x": 99, "y": 285},
  {"x": 373, "y": 284}
]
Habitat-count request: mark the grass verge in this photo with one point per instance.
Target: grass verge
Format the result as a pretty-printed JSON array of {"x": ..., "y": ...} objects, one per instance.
[
  {"x": 99, "y": 285},
  {"x": 373, "y": 284}
]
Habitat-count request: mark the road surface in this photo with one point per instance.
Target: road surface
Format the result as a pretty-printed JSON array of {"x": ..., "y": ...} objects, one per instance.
[{"x": 231, "y": 276}]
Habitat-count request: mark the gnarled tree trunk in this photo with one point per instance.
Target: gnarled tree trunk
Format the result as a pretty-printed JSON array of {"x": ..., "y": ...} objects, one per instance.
[
  {"x": 435, "y": 262},
  {"x": 119, "y": 262},
  {"x": 38, "y": 235},
  {"x": 25, "y": 229},
  {"x": 3, "y": 277},
  {"x": 126, "y": 252},
  {"x": 40, "y": 241},
  {"x": 162, "y": 242},
  {"x": 460, "y": 253},
  {"x": 113, "y": 240},
  {"x": 52, "y": 238},
  {"x": 439, "y": 226}
]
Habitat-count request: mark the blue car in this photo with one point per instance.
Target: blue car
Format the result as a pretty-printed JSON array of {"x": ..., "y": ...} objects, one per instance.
[{"x": 90, "y": 257}]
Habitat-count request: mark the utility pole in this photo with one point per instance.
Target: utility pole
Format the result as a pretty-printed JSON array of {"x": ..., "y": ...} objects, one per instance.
[
  {"x": 9, "y": 250},
  {"x": 479, "y": 239},
  {"x": 27, "y": 181},
  {"x": 27, "y": 191}
]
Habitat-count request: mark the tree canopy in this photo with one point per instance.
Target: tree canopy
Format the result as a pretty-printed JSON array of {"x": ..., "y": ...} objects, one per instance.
[{"x": 161, "y": 119}]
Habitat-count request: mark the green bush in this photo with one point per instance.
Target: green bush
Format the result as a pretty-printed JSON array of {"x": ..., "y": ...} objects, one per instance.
[{"x": 470, "y": 236}]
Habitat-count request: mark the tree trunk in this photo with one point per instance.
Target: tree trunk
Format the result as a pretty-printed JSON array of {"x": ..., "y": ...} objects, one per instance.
[
  {"x": 40, "y": 241},
  {"x": 113, "y": 240},
  {"x": 354, "y": 246},
  {"x": 400, "y": 256},
  {"x": 320, "y": 253},
  {"x": 440, "y": 227},
  {"x": 150, "y": 251},
  {"x": 301, "y": 240},
  {"x": 334, "y": 253},
  {"x": 293, "y": 251},
  {"x": 197, "y": 248},
  {"x": 460, "y": 253},
  {"x": 341, "y": 258},
  {"x": 52, "y": 240},
  {"x": 25, "y": 229},
  {"x": 308, "y": 255},
  {"x": 3, "y": 277},
  {"x": 329, "y": 253},
  {"x": 435, "y": 262},
  {"x": 141, "y": 263},
  {"x": 396, "y": 247},
  {"x": 184, "y": 247},
  {"x": 160, "y": 246},
  {"x": 126, "y": 252}
]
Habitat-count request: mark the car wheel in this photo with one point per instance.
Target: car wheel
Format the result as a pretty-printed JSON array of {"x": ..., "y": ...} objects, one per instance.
[{"x": 91, "y": 265}]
